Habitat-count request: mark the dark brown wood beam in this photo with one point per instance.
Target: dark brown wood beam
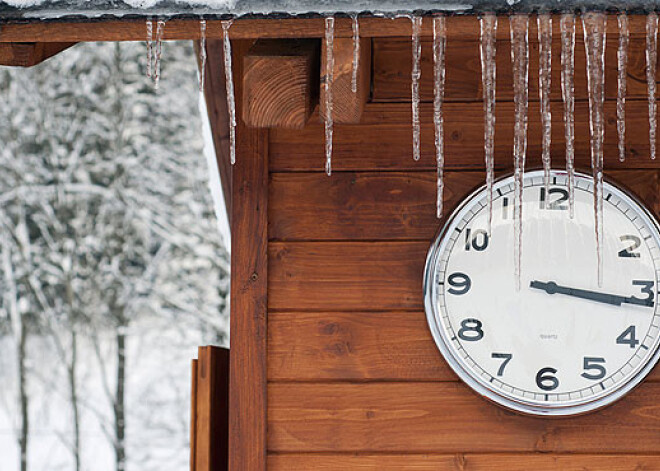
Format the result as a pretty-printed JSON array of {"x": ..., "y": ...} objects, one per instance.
[
  {"x": 347, "y": 106},
  {"x": 27, "y": 54},
  {"x": 458, "y": 28},
  {"x": 280, "y": 83}
]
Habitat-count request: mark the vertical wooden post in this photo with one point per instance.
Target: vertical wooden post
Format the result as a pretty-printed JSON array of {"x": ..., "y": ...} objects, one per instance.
[
  {"x": 249, "y": 260},
  {"x": 210, "y": 416},
  {"x": 193, "y": 416}
]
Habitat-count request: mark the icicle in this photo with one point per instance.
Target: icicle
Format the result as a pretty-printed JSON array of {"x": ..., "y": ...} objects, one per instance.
[
  {"x": 439, "y": 47},
  {"x": 229, "y": 85},
  {"x": 150, "y": 43},
  {"x": 356, "y": 53},
  {"x": 202, "y": 54},
  {"x": 545, "y": 72},
  {"x": 567, "y": 27},
  {"x": 520, "y": 62},
  {"x": 488, "y": 24},
  {"x": 329, "y": 78},
  {"x": 160, "y": 28},
  {"x": 651, "y": 64},
  {"x": 594, "y": 41},
  {"x": 416, "y": 74},
  {"x": 622, "y": 65}
]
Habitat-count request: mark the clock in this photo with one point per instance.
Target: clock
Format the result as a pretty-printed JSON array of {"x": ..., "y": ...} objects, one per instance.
[{"x": 561, "y": 344}]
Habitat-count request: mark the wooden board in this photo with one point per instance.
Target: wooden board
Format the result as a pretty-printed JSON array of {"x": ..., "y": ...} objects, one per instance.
[
  {"x": 346, "y": 275},
  {"x": 356, "y": 346},
  {"x": 388, "y": 205},
  {"x": 462, "y": 462},
  {"x": 384, "y": 140},
  {"x": 447, "y": 418},
  {"x": 28, "y": 54},
  {"x": 392, "y": 61},
  {"x": 458, "y": 27}
]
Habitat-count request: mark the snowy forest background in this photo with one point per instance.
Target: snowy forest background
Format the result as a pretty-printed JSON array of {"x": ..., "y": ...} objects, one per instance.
[{"x": 112, "y": 269}]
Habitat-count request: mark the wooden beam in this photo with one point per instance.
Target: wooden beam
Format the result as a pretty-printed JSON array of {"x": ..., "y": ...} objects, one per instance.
[
  {"x": 249, "y": 283},
  {"x": 280, "y": 82},
  {"x": 347, "y": 105},
  {"x": 216, "y": 107},
  {"x": 29, "y": 54},
  {"x": 458, "y": 28},
  {"x": 211, "y": 412},
  {"x": 193, "y": 416}
]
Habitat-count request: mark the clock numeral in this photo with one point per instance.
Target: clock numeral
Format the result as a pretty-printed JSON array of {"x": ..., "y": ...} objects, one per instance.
[
  {"x": 592, "y": 363},
  {"x": 557, "y": 204},
  {"x": 460, "y": 283},
  {"x": 629, "y": 252},
  {"x": 627, "y": 337},
  {"x": 478, "y": 241},
  {"x": 647, "y": 289},
  {"x": 502, "y": 356},
  {"x": 470, "y": 330},
  {"x": 545, "y": 379}
]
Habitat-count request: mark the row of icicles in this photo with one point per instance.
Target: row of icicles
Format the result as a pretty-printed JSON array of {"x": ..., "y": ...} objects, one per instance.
[{"x": 594, "y": 27}]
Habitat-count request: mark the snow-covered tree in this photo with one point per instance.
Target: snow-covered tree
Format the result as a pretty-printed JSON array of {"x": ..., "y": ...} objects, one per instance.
[{"x": 106, "y": 223}]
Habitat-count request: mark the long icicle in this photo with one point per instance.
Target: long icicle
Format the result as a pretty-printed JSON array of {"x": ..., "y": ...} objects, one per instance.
[
  {"x": 567, "y": 28},
  {"x": 488, "y": 26},
  {"x": 356, "y": 52},
  {"x": 651, "y": 64},
  {"x": 594, "y": 41},
  {"x": 160, "y": 29},
  {"x": 520, "y": 61},
  {"x": 439, "y": 47},
  {"x": 150, "y": 47},
  {"x": 229, "y": 86},
  {"x": 544, "y": 22},
  {"x": 415, "y": 76},
  {"x": 202, "y": 55},
  {"x": 329, "y": 78},
  {"x": 622, "y": 66}
]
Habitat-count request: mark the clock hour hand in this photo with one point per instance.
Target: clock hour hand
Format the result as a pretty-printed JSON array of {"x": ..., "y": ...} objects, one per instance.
[{"x": 553, "y": 288}]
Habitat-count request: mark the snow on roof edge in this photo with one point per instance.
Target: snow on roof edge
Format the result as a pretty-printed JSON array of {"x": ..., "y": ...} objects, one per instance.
[{"x": 167, "y": 9}]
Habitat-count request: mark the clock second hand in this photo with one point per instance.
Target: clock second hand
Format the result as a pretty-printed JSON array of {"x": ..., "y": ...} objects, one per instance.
[{"x": 553, "y": 288}]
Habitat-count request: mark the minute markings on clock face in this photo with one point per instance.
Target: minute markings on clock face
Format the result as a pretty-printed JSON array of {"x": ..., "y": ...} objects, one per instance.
[{"x": 562, "y": 344}]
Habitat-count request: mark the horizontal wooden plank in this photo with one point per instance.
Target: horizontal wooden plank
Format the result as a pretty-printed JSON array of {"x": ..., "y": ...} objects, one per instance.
[
  {"x": 356, "y": 346},
  {"x": 384, "y": 140},
  {"x": 348, "y": 275},
  {"x": 458, "y": 27},
  {"x": 462, "y": 462},
  {"x": 447, "y": 418},
  {"x": 372, "y": 206},
  {"x": 392, "y": 59},
  {"x": 385, "y": 205}
]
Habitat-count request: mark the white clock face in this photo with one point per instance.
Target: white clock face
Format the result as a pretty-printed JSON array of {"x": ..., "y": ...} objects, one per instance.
[{"x": 562, "y": 344}]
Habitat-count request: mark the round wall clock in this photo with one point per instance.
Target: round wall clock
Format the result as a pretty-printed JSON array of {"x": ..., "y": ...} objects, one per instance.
[{"x": 562, "y": 344}]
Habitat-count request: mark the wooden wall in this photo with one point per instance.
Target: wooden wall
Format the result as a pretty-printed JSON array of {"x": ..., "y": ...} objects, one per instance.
[{"x": 354, "y": 379}]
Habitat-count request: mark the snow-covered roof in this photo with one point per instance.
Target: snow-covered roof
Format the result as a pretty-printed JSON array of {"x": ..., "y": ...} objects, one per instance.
[{"x": 69, "y": 9}]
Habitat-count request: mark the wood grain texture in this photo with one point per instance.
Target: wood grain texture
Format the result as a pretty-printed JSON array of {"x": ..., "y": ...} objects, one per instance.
[
  {"x": 28, "y": 54},
  {"x": 447, "y": 418},
  {"x": 345, "y": 275},
  {"x": 347, "y": 106},
  {"x": 193, "y": 415},
  {"x": 249, "y": 273},
  {"x": 357, "y": 346},
  {"x": 462, "y": 462},
  {"x": 386, "y": 205},
  {"x": 383, "y": 141},
  {"x": 211, "y": 412},
  {"x": 393, "y": 58},
  {"x": 280, "y": 82},
  {"x": 458, "y": 28},
  {"x": 218, "y": 114}
]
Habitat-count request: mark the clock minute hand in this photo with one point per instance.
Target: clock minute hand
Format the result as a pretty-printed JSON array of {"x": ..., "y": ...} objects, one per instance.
[{"x": 553, "y": 288}]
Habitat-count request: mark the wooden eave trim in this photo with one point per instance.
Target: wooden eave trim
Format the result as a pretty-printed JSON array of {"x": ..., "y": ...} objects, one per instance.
[{"x": 458, "y": 28}]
